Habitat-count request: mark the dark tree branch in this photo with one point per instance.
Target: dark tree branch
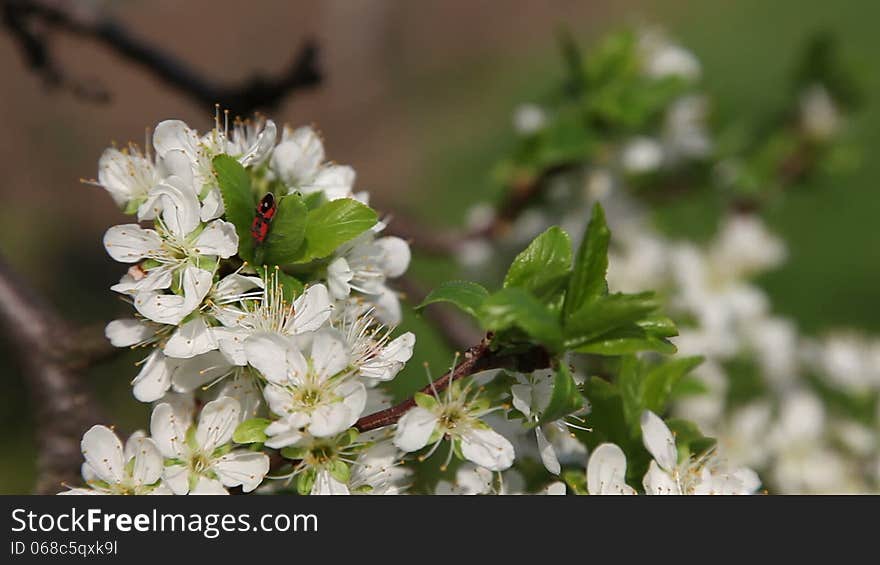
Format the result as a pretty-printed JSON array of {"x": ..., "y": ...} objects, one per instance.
[
  {"x": 28, "y": 20},
  {"x": 50, "y": 351},
  {"x": 478, "y": 358}
]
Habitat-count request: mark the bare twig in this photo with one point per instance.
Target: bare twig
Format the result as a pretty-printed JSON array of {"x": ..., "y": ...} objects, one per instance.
[
  {"x": 50, "y": 352},
  {"x": 28, "y": 20},
  {"x": 478, "y": 358}
]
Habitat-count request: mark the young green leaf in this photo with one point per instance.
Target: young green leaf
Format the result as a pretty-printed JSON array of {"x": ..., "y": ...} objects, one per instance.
[
  {"x": 565, "y": 399},
  {"x": 516, "y": 308},
  {"x": 287, "y": 231},
  {"x": 688, "y": 438},
  {"x": 625, "y": 340},
  {"x": 601, "y": 314},
  {"x": 238, "y": 200},
  {"x": 659, "y": 381},
  {"x": 332, "y": 224},
  {"x": 468, "y": 296},
  {"x": 251, "y": 431},
  {"x": 587, "y": 279},
  {"x": 542, "y": 268},
  {"x": 630, "y": 382}
]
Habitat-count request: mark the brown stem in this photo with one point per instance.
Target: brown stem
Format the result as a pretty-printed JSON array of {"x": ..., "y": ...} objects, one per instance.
[
  {"x": 21, "y": 16},
  {"x": 478, "y": 358},
  {"x": 50, "y": 350}
]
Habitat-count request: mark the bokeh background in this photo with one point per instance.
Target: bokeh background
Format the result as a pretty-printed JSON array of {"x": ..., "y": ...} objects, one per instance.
[{"x": 418, "y": 98}]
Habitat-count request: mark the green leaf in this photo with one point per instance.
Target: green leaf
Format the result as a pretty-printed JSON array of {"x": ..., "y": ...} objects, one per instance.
[
  {"x": 576, "y": 481},
  {"x": 658, "y": 326},
  {"x": 565, "y": 399},
  {"x": 238, "y": 200},
  {"x": 516, "y": 308},
  {"x": 587, "y": 279},
  {"x": 251, "y": 431},
  {"x": 661, "y": 380},
  {"x": 542, "y": 268},
  {"x": 688, "y": 438},
  {"x": 601, "y": 314},
  {"x": 630, "y": 383},
  {"x": 286, "y": 232},
  {"x": 468, "y": 296},
  {"x": 624, "y": 341},
  {"x": 331, "y": 225}
]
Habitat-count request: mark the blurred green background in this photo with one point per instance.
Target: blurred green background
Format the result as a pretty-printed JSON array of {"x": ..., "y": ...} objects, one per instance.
[{"x": 418, "y": 98}]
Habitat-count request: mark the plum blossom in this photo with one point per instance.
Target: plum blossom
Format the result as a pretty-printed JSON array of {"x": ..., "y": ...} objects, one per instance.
[
  {"x": 201, "y": 457},
  {"x": 454, "y": 414},
  {"x": 317, "y": 394},
  {"x": 111, "y": 469}
]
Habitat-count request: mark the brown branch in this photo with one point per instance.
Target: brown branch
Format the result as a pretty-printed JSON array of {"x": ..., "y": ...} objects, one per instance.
[
  {"x": 27, "y": 21},
  {"x": 50, "y": 351},
  {"x": 478, "y": 358}
]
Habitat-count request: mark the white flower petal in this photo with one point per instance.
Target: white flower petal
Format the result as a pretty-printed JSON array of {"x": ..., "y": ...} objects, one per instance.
[
  {"x": 191, "y": 374},
  {"x": 217, "y": 239},
  {"x": 207, "y": 486},
  {"x": 212, "y": 206},
  {"x": 148, "y": 462},
  {"x": 176, "y": 477},
  {"x": 311, "y": 310},
  {"x": 158, "y": 278},
  {"x": 395, "y": 255},
  {"x": 173, "y": 308},
  {"x": 181, "y": 210},
  {"x": 129, "y": 331},
  {"x": 130, "y": 243},
  {"x": 339, "y": 274},
  {"x": 658, "y": 440},
  {"x": 298, "y": 157},
  {"x": 168, "y": 425},
  {"x": 487, "y": 448},
  {"x": 191, "y": 339},
  {"x": 245, "y": 468},
  {"x": 103, "y": 452},
  {"x": 330, "y": 353},
  {"x": 335, "y": 181},
  {"x": 414, "y": 429},
  {"x": 126, "y": 176},
  {"x": 154, "y": 378},
  {"x": 658, "y": 481},
  {"x": 217, "y": 422},
  {"x": 275, "y": 357},
  {"x": 606, "y": 471},
  {"x": 548, "y": 454},
  {"x": 325, "y": 484}
]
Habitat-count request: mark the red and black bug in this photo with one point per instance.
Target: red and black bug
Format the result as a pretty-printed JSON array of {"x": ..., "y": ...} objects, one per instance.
[{"x": 263, "y": 218}]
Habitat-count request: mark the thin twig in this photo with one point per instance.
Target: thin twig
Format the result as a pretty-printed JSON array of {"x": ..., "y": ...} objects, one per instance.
[
  {"x": 478, "y": 358},
  {"x": 21, "y": 18},
  {"x": 50, "y": 351}
]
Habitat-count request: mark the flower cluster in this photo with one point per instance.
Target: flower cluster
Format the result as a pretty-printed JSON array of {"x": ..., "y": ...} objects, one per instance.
[{"x": 235, "y": 345}]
